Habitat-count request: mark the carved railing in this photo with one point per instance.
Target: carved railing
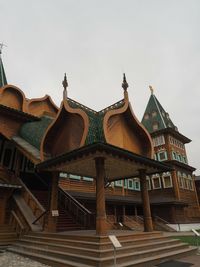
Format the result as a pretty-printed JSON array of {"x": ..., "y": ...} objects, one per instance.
[
  {"x": 33, "y": 203},
  {"x": 76, "y": 209},
  {"x": 17, "y": 224}
]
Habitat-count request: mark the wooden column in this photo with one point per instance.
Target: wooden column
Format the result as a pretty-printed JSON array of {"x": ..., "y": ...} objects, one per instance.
[
  {"x": 115, "y": 213},
  {"x": 100, "y": 197},
  {"x": 148, "y": 225},
  {"x": 52, "y": 220},
  {"x": 124, "y": 212}
]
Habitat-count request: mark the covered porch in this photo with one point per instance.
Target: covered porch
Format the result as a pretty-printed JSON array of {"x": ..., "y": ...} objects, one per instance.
[{"x": 105, "y": 163}]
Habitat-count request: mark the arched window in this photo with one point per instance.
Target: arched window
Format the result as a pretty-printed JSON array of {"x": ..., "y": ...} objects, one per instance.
[
  {"x": 185, "y": 181},
  {"x": 190, "y": 182},
  {"x": 167, "y": 180},
  {"x": 180, "y": 179},
  {"x": 156, "y": 181}
]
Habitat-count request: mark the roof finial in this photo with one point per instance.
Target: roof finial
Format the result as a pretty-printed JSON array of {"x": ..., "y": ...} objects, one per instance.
[
  {"x": 124, "y": 84},
  {"x": 65, "y": 85},
  {"x": 151, "y": 89}
]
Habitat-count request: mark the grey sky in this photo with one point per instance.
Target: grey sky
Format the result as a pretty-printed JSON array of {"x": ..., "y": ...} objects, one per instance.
[{"x": 154, "y": 42}]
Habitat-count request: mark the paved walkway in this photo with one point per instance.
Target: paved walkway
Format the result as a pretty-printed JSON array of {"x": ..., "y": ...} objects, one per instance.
[
  {"x": 189, "y": 261},
  {"x": 8, "y": 259}
]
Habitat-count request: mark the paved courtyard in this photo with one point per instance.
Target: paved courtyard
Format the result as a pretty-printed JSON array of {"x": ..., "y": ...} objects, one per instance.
[{"x": 8, "y": 259}]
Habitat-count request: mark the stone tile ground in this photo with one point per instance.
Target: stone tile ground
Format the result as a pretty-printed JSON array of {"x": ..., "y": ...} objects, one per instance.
[{"x": 8, "y": 259}]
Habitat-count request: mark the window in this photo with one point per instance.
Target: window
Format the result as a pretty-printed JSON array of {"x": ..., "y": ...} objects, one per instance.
[
  {"x": 130, "y": 184},
  {"x": 76, "y": 177},
  {"x": 180, "y": 179},
  {"x": 159, "y": 140},
  {"x": 125, "y": 183},
  {"x": 167, "y": 180},
  {"x": 137, "y": 184},
  {"x": 63, "y": 175},
  {"x": 185, "y": 182},
  {"x": 190, "y": 182},
  {"x": 156, "y": 181},
  {"x": 89, "y": 179},
  {"x": 184, "y": 159},
  {"x": 119, "y": 183},
  {"x": 155, "y": 126},
  {"x": 154, "y": 113},
  {"x": 162, "y": 155},
  {"x": 146, "y": 116},
  {"x": 148, "y": 183},
  {"x": 174, "y": 155}
]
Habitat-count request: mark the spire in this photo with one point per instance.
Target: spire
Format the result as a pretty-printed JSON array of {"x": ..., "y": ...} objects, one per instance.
[
  {"x": 155, "y": 117},
  {"x": 124, "y": 84},
  {"x": 151, "y": 89},
  {"x": 65, "y": 85},
  {"x": 3, "y": 80}
]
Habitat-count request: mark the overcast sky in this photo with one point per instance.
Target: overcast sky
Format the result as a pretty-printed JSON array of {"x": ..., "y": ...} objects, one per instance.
[{"x": 155, "y": 42}]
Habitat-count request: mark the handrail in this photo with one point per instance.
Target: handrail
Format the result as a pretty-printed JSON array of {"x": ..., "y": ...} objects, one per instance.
[
  {"x": 140, "y": 218},
  {"x": 162, "y": 220},
  {"x": 77, "y": 210},
  {"x": 17, "y": 219},
  {"x": 75, "y": 201},
  {"x": 32, "y": 196},
  {"x": 39, "y": 217},
  {"x": 19, "y": 223}
]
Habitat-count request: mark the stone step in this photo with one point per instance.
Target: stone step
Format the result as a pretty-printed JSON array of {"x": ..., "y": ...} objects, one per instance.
[
  {"x": 95, "y": 252},
  {"x": 51, "y": 261},
  {"x": 88, "y": 242},
  {"x": 93, "y": 261},
  {"x": 161, "y": 258}
]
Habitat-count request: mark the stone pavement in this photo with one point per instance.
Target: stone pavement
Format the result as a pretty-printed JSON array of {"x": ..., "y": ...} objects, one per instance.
[
  {"x": 8, "y": 259},
  {"x": 189, "y": 261}
]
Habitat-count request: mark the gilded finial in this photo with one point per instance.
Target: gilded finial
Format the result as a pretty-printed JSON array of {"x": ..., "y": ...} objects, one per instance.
[
  {"x": 124, "y": 84},
  {"x": 65, "y": 85},
  {"x": 151, "y": 89}
]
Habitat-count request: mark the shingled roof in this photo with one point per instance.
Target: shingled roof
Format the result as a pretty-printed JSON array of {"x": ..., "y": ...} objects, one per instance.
[{"x": 155, "y": 117}]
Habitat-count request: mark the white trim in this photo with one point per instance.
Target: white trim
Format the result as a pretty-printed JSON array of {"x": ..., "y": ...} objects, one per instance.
[
  {"x": 167, "y": 174},
  {"x": 154, "y": 177}
]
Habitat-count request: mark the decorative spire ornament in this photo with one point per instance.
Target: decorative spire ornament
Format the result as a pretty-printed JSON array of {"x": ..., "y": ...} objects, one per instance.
[
  {"x": 151, "y": 89},
  {"x": 65, "y": 85},
  {"x": 124, "y": 84}
]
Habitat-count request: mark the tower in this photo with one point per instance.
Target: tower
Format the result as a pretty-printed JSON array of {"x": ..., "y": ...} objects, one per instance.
[{"x": 169, "y": 147}]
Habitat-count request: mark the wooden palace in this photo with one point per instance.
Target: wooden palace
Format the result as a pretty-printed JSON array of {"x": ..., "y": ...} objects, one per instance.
[{"x": 75, "y": 169}]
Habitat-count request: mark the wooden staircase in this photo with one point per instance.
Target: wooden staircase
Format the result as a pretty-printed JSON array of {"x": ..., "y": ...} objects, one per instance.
[
  {"x": 65, "y": 221},
  {"x": 81, "y": 250}
]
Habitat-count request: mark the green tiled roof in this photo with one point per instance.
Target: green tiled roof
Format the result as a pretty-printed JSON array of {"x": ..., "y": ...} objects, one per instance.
[
  {"x": 33, "y": 132},
  {"x": 95, "y": 132},
  {"x": 155, "y": 117},
  {"x": 3, "y": 80}
]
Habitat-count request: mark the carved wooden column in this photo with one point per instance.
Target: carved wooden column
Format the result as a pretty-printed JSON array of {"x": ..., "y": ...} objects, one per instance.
[
  {"x": 52, "y": 220},
  {"x": 100, "y": 197},
  {"x": 124, "y": 212},
  {"x": 148, "y": 225}
]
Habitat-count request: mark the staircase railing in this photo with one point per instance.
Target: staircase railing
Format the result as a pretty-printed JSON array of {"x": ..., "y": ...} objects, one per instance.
[
  {"x": 78, "y": 211},
  {"x": 16, "y": 223},
  {"x": 37, "y": 209},
  {"x": 160, "y": 219}
]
